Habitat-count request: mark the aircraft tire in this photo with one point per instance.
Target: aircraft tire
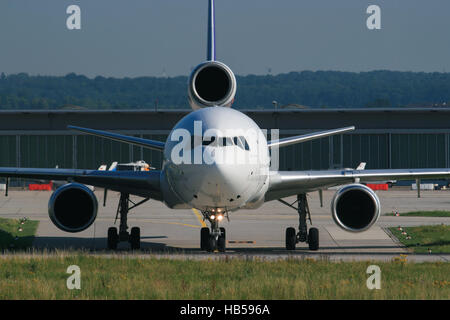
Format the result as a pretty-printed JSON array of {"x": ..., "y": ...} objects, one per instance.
[
  {"x": 113, "y": 238},
  {"x": 204, "y": 239},
  {"x": 222, "y": 243},
  {"x": 313, "y": 239},
  {"x": 291, "y": 239},
  {"x": 135, "y": 238}
]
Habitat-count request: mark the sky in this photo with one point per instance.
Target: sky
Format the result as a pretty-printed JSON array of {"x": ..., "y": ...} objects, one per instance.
[{"x": 168, "y": 37}]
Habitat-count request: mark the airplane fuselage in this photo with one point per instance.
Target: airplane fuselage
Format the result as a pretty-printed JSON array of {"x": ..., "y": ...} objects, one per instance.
[{"x": 217, "y": 158}]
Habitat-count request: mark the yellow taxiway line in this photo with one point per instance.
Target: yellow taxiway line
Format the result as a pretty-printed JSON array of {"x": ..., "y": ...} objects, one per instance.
[
  {"x": 199, "y": 217},
  {"x": 183, "y": 224}
]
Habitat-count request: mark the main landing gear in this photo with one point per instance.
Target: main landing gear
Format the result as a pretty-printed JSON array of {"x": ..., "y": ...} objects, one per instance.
[
  {"x": 134, "y": 236},
  {"x": 303, "y": 235},
  {"x": 214, "y": 239}
]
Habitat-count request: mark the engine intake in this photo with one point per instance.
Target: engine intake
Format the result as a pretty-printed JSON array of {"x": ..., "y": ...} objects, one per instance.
[
  {"x": 211, "y": 83},
  {"x": 355, "y": 207},
  {"x": 73, "y": 207}
]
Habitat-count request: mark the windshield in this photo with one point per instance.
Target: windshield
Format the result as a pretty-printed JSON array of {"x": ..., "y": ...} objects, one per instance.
[{"x": 213, "y": 141}]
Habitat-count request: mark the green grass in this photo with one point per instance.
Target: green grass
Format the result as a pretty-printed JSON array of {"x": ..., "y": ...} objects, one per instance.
[
  {"x": 44, "y": 277},
  {"x": 13, "y": 239},
  {"x": 423, "y": 214},
  {"x": 436, "y": 238}
]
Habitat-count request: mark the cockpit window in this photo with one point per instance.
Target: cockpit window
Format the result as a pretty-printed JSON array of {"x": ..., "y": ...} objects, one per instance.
[
  {"x": 243, "y": 143},
  {"x": 208, "y": 140},
  {"x": 213, "y": 141},
  {"x": 226, "y": 142}
]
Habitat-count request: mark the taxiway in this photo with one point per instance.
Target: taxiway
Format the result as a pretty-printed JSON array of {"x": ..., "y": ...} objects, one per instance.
[{"x": 176, "y": 233}]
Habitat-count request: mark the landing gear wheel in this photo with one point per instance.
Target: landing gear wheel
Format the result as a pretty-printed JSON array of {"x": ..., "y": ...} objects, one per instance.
[
  {"x": 221, "y": 242},
  {"x": 313, "y": 239},
  {"x": 113, "y": 238},
  {"x": 291, "y": 239},
  {"x": 204, "y": 239},
  {"x": 135, "y": 238}
]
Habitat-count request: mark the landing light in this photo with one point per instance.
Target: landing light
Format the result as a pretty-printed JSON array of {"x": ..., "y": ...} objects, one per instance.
[{"x": 218, "y": 217}]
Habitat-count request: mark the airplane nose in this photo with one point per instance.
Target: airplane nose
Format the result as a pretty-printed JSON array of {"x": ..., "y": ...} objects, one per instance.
[
  {"x": 214, "y": 185},
  {"x": 223, "y": 182},
  {"x": 222, "y": 179}
]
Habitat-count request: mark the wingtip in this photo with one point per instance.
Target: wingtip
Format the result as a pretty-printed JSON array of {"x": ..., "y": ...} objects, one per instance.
[
  {"x": 73, "y": 127},
  {"x": 350, "y": 128}
]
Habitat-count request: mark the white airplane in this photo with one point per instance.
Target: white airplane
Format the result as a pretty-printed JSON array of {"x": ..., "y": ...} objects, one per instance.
[{"x": 193, "y": 177}]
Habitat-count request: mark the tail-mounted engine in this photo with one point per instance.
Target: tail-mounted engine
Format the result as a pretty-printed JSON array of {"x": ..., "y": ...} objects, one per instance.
[
  {"x": 355, "y": 207},
  {"x": 211, "y": 84},
  {"x": 73, "y": 207}
]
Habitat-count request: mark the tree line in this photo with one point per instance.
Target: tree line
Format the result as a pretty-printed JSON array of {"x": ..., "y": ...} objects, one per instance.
[{"x": 312, "y": 89}]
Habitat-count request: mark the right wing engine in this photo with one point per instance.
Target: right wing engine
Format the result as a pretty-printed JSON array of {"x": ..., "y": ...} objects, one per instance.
[{"x": 73, "y": 207}]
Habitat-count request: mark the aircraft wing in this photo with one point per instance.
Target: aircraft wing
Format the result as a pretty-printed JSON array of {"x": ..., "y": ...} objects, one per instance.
[
  {"x": 288, "y": 183},
  {"x": 146, "y": 143},
  {"x": 140, "y": 183},
  {"x": 307, "y": 137}
]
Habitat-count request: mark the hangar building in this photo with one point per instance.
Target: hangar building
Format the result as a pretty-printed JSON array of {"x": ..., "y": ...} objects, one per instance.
[{"x": 384, "y": 138}]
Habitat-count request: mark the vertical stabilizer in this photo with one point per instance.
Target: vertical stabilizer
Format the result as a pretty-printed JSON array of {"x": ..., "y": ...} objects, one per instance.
[{"x": 211, "y": 54}]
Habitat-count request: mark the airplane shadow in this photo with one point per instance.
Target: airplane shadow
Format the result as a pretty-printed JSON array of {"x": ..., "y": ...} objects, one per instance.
[
  {"x": 323, "y": 251},
  {"x": 50, "y": 244},
  {"x": 98, "y": 246}
]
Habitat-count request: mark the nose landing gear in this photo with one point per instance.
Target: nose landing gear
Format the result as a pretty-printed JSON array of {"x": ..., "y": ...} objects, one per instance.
[
  {"x": 303, "y": 235},
  {"x": 214, "y": 239}
]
